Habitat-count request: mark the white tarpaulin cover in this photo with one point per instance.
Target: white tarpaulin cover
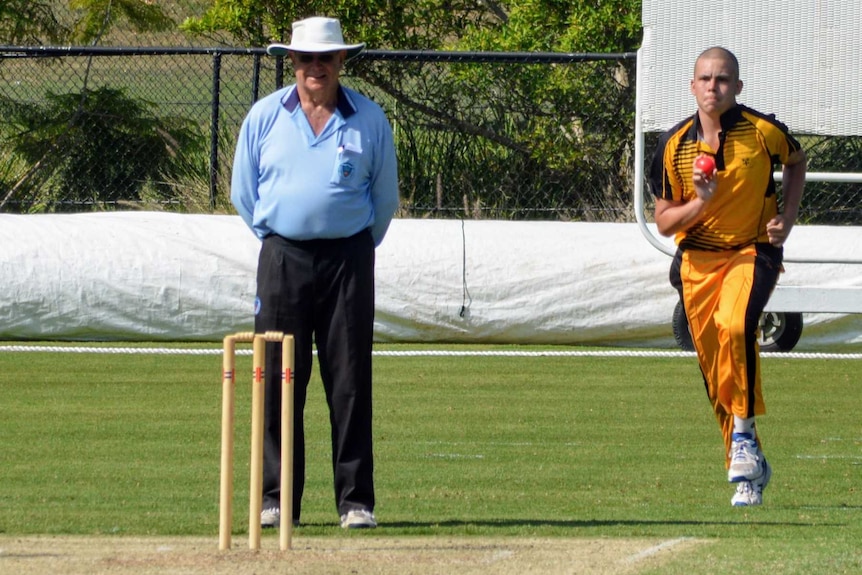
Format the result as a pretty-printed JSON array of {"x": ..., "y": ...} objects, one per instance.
[{"x": 159, "y": 276}]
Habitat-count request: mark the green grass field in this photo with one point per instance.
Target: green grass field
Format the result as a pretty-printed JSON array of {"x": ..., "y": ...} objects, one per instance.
[{"x": 551, "y": 447}]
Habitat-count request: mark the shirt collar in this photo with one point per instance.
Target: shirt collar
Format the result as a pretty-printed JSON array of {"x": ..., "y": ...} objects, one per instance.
[
  {"x": 344, "y": 106},
  {"x": 728, "y": 120}
]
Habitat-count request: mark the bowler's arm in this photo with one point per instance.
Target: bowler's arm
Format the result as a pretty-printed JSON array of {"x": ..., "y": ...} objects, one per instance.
[
  {"x": 676, "y": 216},
  {"x": 792, "y": 184}
]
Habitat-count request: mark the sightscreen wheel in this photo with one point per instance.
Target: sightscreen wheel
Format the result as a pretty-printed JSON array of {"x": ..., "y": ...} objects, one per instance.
[
  {"x": 778, "y": 331},
  {"x": 680, "y": 328}
]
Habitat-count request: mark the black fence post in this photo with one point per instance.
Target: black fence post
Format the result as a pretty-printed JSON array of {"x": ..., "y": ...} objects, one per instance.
[
  {"x": 279, "y": 72},
  {"x": 214, "y": 129},
  {"x": 255, "y": 80}
]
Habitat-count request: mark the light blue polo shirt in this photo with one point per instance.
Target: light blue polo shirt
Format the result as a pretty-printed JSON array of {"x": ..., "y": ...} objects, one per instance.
[{"x": 289, "y": 182}]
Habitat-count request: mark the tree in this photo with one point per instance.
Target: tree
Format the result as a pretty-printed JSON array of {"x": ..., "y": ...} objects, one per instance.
[
  {"x": 89, "y": 146},
  {"x": 36, "y": 22},
  {"x": 568, "y": 125},
  {"x": 460, "y": 127},
  {"x": 113, "y": 147},
  {"x": 384, "y": 24},
  {"x": 97, "y": 16},
  {"x": 24, "y": 22}
]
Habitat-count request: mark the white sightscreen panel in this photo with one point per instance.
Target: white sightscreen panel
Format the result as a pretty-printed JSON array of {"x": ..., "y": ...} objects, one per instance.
[{"x": 799, "y": 59}]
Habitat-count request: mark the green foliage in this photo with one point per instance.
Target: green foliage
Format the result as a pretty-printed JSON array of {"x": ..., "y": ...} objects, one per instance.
[
  {"x": 90, "y": 146},
  {"x": 566, "y": 112},
  {"x": 35, "y": 22},
  {"x": 98, "y": 16},
  {"x": 94, "y": 147},
  {"x": 24, "y": 22},
  {"x": 830, "y": 203},
  {"x": 517, "y": 118},
  {"x": 248, "y": 21},
  {"x": 186, "y": 188},
  {"x": 568, "y": 124},
  {"x": 526, "y": 25},
  {"x": 382, "y": 24},
  {"x": 557, "y": 26}
]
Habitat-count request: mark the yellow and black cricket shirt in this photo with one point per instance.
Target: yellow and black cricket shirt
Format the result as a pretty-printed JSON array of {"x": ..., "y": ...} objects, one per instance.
[{"x": 750, "y": 145}]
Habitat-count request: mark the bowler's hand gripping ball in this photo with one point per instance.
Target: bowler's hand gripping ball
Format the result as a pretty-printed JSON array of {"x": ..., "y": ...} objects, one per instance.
[{"x": 706, "y": 164}]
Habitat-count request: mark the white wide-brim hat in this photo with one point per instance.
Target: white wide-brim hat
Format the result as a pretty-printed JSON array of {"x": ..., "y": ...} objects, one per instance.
[{"x": 316, "y": 34}]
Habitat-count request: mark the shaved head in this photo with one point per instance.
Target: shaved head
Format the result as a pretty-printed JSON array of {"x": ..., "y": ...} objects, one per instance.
[{"x": 719, "y": 53}]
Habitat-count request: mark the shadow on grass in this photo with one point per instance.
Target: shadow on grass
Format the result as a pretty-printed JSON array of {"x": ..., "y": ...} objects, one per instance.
[{"x": 508, "y": 524}]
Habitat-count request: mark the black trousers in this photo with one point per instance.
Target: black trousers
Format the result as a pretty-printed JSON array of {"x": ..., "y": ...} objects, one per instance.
[{"x": 321, "y": 292}]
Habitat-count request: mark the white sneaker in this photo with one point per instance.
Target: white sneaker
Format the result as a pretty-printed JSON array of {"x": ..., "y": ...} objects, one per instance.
[
  {"x": 358, "y": 519},
  {"x": 270, "y": 517},
  {"x": 746, "y": 460},
  {"x": 751, "y": 492}
]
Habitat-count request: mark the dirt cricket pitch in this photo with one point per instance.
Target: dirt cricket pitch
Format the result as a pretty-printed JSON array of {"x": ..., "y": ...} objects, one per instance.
[{"x": 81, "y": 555}]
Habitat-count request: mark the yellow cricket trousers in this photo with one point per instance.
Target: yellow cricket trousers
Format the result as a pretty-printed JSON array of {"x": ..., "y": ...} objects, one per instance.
[{"x": 724, "y": 294}]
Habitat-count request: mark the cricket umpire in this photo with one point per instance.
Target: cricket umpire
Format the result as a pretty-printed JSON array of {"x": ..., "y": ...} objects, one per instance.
[{"x": 315, "y": 178}]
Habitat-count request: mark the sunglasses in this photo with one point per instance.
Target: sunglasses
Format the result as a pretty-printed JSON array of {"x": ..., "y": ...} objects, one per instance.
[{"x": 324, "y": 58}]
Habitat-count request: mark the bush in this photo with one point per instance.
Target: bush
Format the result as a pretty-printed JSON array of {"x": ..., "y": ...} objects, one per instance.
[{"x": 94, "y": 148}]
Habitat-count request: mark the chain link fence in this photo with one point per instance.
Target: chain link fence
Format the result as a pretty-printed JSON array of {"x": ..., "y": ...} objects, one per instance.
[{"x": 497, "y": 136}]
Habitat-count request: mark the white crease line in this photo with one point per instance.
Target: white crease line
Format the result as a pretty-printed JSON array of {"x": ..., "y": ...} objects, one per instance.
[
  {"x": 499, "y": 443},
  {"x": 455, "y": 456},
  {"x": 854, "y": 439},
  {"x": 649, "y": 552},
  {"x": 854, "y": 457}
]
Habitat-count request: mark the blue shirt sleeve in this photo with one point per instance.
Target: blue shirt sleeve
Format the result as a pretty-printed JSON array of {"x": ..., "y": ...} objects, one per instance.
[
  {"x": 244, "y": 180},
  {"x": 384, "y": 185}
]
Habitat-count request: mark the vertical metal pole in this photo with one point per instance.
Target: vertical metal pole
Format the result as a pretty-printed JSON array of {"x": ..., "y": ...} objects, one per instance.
[{"x": 214, "y": 129}]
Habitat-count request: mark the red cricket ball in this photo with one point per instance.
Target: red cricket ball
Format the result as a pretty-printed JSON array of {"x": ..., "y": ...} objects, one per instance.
[{"x": 706, "y": 164}]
